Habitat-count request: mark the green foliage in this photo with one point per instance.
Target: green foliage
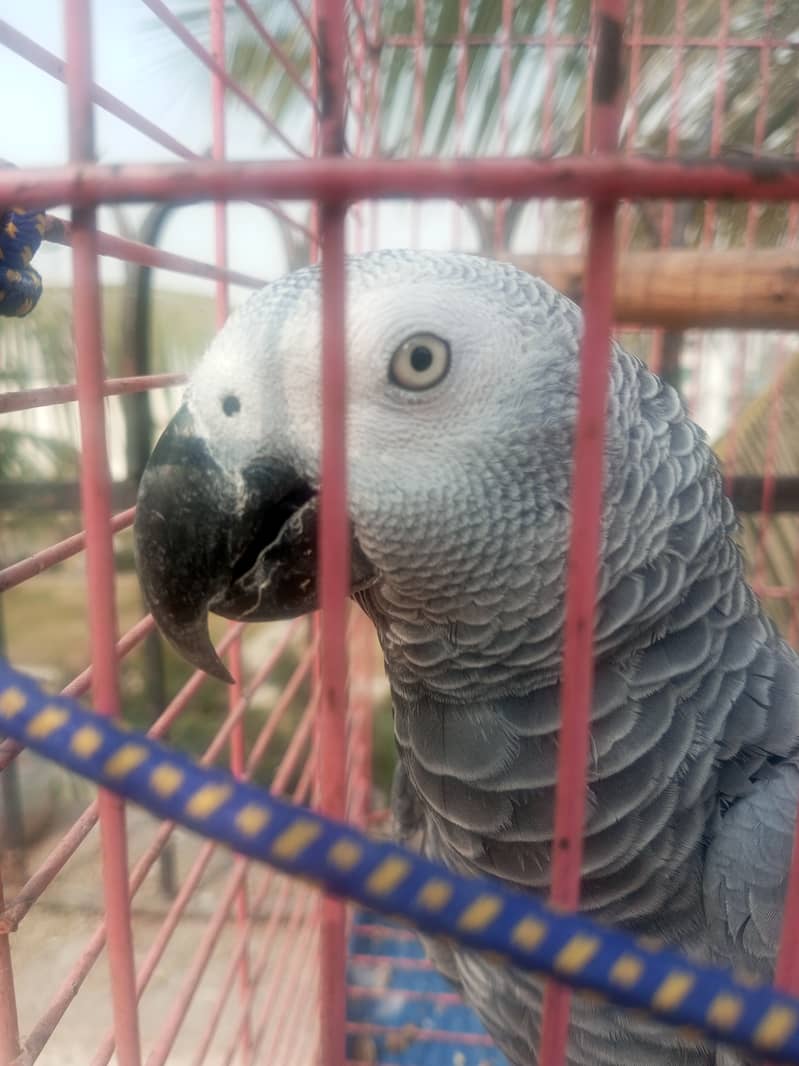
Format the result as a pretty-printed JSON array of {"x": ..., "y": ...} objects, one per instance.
[
  {"x": 545, "y": 110},
  {"x": 481, "y": 130}
]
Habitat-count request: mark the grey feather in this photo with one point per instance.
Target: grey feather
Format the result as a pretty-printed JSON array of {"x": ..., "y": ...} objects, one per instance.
[{"x": 460, "y": 498}]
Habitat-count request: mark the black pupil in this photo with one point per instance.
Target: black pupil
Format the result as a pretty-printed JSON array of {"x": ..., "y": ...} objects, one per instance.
[
  {"x": 421, "y": 358},
  {"x": 231, "y": 405}
]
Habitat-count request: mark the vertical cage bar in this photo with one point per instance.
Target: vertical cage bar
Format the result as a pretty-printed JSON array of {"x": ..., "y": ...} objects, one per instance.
[
  {"x": 237, "y": 752},
  {"x": 96, "y": 502},
  {"x": 549, "y": 88},
  {"x": 334, "y": 561},
  {"x": 461, "y": 72},
  {"x": 9, "y": 1019},
  {"x": 418, "y": 106},
  {"x": 358, "y": 103},
  {"x": 218, "y": 152},
  {"x": 588, "y": 477},
  {"x": 9, "y": 1024},
  {"x": 786, "y": 975},
  {"x": 635, "y": 33},
  {"x": 316, "y": 145},
  {"x": 500, "y": 237},
  {"x": 374, "y": 116},
  {"x": 717, "y": 121},
  {"x": 675, "y": 111}
]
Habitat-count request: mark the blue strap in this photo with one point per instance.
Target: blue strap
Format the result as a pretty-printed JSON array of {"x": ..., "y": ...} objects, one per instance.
[
  {"x": 21, "y": 234},
  {"x": 476, "y": 912}
]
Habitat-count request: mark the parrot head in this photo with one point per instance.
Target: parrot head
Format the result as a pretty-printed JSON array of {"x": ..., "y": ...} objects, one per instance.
[{"x": 461, "y": 393}]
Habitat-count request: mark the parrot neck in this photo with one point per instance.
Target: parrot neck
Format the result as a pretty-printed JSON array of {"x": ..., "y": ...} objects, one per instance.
[
  {"x": 673, "y": 721},
  {"x": 477, "y": 606},
  {"x": 682, "y": 651}
]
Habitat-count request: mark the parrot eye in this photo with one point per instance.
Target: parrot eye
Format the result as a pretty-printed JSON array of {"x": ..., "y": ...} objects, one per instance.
[{"x": 420, "y": 362}]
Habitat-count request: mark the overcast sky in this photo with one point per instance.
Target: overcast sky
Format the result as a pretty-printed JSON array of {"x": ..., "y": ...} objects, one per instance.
[{"x": 138, "y": 60}]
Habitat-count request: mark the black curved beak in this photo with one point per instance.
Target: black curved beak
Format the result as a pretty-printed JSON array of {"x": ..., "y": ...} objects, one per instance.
[{"x": 241, "y": 544}]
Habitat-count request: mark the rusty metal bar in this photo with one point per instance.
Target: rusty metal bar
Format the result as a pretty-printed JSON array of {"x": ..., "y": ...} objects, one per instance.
[
  {"x": 259, "y": 964},
  {"x": 570, "y": 40},
  {"x": 345, "y": 180},
  {"x": 159, "y": 1053},
  {"x": 285, "y": 968},
  {"x": 10, "y": 749},
  {"x": 69, "y": 843},
  {"x": 262, "y": 958},
  {"x": 9, "y": 1024},
  {"x": 59, "y": 231},
  {"x": 163, "y": 1045},
  {"x": 50, "y": 395},
  {"x": 187, "y": 887},
  {"x": 237, "y": 743},
  {"x": 57, "y": 553},
  {"x": 95, "y": 484},
  {"x": 300, "y": 795},
  {"x": 577, "y": 673},
  {"x": 334, "y": 561},
  {"x": 71, "y": 985}
]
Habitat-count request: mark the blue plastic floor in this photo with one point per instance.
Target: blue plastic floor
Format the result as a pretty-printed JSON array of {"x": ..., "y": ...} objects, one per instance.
[{"x": 402, "y": 1003}]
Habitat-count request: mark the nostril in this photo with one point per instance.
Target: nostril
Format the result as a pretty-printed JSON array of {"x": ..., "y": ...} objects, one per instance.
[{"x": 231, "y": 405}]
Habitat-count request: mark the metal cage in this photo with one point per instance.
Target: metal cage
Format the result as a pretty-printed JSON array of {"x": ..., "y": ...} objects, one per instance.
[{"x": 564, "y": 126}]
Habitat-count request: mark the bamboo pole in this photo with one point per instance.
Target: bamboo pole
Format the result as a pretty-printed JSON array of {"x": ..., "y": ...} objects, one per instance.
[{"x": 682, "y": 289}]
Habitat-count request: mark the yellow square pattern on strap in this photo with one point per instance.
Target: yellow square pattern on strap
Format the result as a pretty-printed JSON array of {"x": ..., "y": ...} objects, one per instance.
[
  {"x": 775, "y": 1028},
  {"x": 529, "y": 933},
  {"x": 252, "y": 819},
  {"x": 47, "y": 721},
  {"x": 208, "y": 799},
  {"x": 435, "y": 894},
  {"x": 626, "y": 971},
  {"x": 673, "y": 990},
  {"x": 125, "y": 759},
  {"x": 345, "y": 854},
  {"x": 480, "y": 913},
  {"x": 11, "y": 702},
  {"x": 86, "y": 741},
  {"x": 576, "y": 953},
  {"x": 725, "y": 1010},
  {"x": 292, "y": 841},
  {"x": 166, "y": 779},
  {"x": 390, "y": 873}
]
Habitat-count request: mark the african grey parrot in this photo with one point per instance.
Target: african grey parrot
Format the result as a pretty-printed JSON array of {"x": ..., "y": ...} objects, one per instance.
[{"x": 462, "y": 399}]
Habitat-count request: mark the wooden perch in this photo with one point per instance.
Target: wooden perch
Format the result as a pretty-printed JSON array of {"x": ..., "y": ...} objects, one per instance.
[{"x": 679, "y": 289}]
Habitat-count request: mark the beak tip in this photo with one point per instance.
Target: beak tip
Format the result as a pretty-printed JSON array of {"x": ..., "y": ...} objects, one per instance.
[
  {"x": 221, "y": 673},
  {"x": 192, "y": 642},
  {"x": 203, "y": 657}
]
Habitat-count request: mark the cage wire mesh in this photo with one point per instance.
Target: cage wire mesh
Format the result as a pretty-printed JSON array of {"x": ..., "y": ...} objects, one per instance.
[{"x": 146, "y": 944}]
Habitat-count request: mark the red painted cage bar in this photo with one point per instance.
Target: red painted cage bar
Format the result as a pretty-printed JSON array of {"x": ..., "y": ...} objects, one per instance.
[{"x": 325, "y": 177}]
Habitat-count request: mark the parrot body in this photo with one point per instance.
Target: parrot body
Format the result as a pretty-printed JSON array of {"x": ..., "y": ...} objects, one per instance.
[{"x": 463, "y": 379}]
